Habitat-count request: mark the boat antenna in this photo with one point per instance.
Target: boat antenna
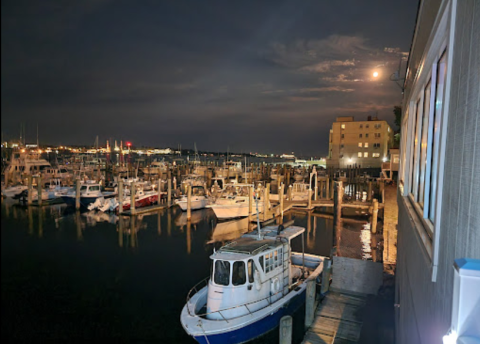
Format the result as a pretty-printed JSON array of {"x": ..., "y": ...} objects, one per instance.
[{"x": 258, "y": 215}]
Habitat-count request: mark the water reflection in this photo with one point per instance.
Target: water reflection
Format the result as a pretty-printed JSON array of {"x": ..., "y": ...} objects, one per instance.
[{"x": 92, "y": 249}]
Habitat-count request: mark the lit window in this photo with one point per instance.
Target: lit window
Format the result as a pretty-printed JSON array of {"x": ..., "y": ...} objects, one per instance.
[
  {"x": 376, "y": 155},
  {"x": 360, "y": 144},
  {"x": 366, "y": 145},
  {"x": 343, "y": 126},
  {"x": 365, "y": 155},
  {"x": 359, "y": 154}
]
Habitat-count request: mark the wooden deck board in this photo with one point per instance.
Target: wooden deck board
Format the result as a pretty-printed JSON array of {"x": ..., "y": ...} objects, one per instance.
[{"x": 337, "y": 320}]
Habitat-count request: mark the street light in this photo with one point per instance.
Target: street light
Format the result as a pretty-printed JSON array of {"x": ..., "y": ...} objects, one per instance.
[{"x": 375, "y": 74}]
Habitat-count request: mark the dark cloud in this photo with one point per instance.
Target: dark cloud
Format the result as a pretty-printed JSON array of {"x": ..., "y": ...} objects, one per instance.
[{"x": 253, "y": 75}]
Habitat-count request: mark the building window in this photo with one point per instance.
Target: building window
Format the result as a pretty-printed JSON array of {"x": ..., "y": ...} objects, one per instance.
[
  {"x": 360, "y": 135},
  {"x": 424, "y": 163},
  {"x": 376, "y": 155},
  {"x": 360, "y": 144},
  {"x": 341, "y": 146},
  {"x": 359, "y": 154},
  {"x": 361, "y": 126},
  {"x": 365, "y": 155},
  {"x": 343, "y": 126},
  {"x": 343, "y": 136},
  {"x": 378, "y": 126},
  {"x": 377, "y": 135},
  {"x": 376, "y": 145},
  {"x": 366, "y": 126},
  {"x": 366, "y": 135},
  {"x": 366, "y": 145}
]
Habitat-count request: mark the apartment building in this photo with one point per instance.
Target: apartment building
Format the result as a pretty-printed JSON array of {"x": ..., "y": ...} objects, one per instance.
[
  {"x": 364, "y": 143},
  {"x": 438, "y": 257}
]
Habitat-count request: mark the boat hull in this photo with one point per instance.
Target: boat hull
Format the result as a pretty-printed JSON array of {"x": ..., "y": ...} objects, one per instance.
[
  {"x": 256, "y": 329},
  {"x": 227, "y": 211},
  {"x": 84, "y": 201},
  {"x": 195, "y": 204}
]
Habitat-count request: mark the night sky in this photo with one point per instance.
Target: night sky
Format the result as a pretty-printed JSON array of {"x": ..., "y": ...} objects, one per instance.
[{"x": 248, "y": 76}]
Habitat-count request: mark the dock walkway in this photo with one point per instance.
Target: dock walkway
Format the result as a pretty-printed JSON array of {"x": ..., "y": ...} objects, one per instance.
[{"x": 338, "y": 320}]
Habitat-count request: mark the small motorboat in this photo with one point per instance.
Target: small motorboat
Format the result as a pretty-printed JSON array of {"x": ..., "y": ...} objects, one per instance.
[
  {"x": 234, "y": 202},
  {"x": 198, "y": 199},
  {"x": 255, "y": 281},
  {"x": 89, "y": 193}
]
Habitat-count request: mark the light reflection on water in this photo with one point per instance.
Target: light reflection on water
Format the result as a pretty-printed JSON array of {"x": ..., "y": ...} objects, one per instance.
[{"x": 86, "y": 275}]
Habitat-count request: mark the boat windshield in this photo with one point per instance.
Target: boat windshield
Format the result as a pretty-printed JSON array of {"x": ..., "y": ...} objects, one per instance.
[
  {"x": 222, "y": 272},
  {"x": 83, "y": 188},
  {"x": 238, "y": 273}
]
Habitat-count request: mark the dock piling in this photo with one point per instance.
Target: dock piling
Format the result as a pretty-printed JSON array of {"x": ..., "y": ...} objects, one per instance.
[
  {"x": 189, "y": 202},
  {"x": 327, "y": 267},
  {"x": 286, "y": 328},
  {"x": 310, "y": 303},
  {"x": 39, "y": 188},
  {"x": 120, "y": 195},
  {"x": 77, "y": 194},
  {"x": 30, "y": 189},
  {"x": 132, "y": 198},
  {"x": 169, "y": 192},
  {"x": 374, "y": 216}
]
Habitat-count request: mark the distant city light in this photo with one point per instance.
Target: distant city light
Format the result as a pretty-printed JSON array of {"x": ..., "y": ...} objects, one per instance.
[{"x": 375, "y": 74}]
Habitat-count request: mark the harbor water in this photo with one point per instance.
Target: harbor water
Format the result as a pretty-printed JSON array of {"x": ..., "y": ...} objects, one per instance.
[{"x": 86, "y": 276}]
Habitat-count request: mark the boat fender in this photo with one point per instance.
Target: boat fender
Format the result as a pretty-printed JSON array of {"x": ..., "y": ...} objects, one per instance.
[
  {"x": 275, "y": 285},
  {"x": 258, "y": 282}
]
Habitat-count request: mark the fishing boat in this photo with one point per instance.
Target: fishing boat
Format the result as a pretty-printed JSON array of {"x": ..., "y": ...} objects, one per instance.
[
  {"x": 198, "y": 199},
  {"x": 89, "y": 193},
  {"x": 234, "y": 202},
  {"x": 255, "y": 281}
]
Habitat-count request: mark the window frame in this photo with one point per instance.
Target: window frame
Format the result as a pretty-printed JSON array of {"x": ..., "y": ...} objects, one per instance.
[{"x": 440, "y": 43}]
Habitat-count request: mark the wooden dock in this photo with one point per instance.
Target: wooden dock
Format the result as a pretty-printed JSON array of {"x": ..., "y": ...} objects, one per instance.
[{"x": 338, "y": 320}]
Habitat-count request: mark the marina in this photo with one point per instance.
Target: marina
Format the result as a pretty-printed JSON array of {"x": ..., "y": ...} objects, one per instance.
[{"x": 182, "y": 217}]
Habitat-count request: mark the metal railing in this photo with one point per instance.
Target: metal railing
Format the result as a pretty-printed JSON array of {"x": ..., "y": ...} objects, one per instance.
[{"x": 195, "y": 290}]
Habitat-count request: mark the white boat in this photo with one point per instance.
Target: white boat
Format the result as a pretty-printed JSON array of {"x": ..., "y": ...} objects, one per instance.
[
  {"x": 255, "y": 281},
  {"x": 234, "y": 202},
  {"x": 12, "y": 191},
  {"x": 25, "y": 164},
  {"x": 198, "y": 199},
  {"x": 89, "y": 193},
  {"x": 155, "y": 168}
]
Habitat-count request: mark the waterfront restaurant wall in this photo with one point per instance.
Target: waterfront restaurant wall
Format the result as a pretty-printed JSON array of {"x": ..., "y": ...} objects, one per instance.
[{"x": 439, "y": 177}]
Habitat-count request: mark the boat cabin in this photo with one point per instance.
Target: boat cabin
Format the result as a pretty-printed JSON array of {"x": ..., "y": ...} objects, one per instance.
[
  {"x": 89, "y": 189},
  {"x": 251, "y": 272}
]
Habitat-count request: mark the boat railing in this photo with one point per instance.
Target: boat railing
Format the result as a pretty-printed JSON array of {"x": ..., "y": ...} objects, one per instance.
[{"x": 204, "y": 283}]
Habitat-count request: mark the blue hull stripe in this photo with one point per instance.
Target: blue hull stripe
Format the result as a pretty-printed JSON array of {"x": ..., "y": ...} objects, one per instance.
[{"x": 257, "y": 328}]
